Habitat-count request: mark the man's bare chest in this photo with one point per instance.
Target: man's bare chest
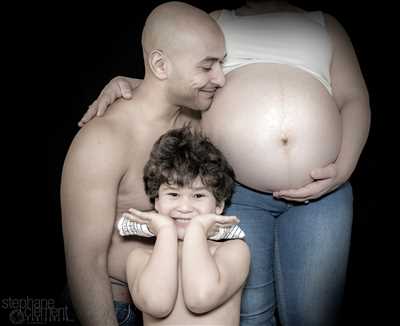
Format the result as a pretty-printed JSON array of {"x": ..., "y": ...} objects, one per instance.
[{"x": 131, "y": 186}]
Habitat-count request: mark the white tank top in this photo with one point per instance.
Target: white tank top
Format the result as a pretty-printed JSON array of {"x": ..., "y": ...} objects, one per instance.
[{"x": 292, "y": 38}]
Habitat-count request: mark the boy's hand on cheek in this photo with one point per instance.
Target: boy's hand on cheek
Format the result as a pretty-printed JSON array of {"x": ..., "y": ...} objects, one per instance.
[
  {"x": 154, "y": 221},
  {"x": 212, "y": 222}
]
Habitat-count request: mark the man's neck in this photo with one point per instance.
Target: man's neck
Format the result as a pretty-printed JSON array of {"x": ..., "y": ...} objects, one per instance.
[{"x": 156, "y": 107}]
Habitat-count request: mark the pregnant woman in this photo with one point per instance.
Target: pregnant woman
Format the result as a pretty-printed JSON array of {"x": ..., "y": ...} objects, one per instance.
[{"x": 292, "y": 120}]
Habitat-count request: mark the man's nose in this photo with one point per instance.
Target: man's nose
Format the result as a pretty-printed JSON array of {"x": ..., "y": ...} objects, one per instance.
[{"x": 219, "y": 77}]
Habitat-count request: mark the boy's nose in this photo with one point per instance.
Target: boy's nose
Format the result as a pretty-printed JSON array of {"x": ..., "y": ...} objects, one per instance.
[{"x": 184, "y": 206}]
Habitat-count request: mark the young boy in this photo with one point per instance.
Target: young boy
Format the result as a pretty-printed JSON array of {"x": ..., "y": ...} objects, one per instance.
[{"x": 186, "y": 279}]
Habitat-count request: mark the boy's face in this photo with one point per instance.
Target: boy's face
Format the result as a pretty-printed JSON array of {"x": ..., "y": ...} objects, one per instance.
[{"x": 184, "y": 203}]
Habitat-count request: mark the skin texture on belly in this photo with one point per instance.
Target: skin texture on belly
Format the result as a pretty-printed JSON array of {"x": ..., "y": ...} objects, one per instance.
[{"x": 274, "y": 123}]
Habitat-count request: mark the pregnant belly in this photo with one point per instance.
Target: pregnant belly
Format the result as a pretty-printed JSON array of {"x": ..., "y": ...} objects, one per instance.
[{"x": 274, "y": 123}]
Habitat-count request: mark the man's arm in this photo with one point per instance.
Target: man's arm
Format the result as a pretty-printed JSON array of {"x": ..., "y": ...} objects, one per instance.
[
  {"x": 210, "y": 280},
  {"x": 153, "y": 278},
  {"x": 91, "y": 174}
]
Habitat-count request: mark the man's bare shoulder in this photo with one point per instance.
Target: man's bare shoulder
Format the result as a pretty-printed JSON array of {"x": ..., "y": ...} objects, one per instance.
[
  {"x": 113, "y": 129},
  {"x": 102, "y": 143},
  {"x": 99, "y": 134}
]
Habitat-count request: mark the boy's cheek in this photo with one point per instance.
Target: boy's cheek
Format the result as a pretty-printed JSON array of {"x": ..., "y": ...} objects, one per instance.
[{"x": 161, "y": 207}]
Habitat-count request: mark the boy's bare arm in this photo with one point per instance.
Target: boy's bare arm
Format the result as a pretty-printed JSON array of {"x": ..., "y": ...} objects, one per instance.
[
  {"x": 210, "y": 280},
  {"x": 153, "y": 277}
]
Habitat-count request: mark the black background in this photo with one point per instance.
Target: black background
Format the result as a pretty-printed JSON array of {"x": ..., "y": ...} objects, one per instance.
[{"x": 84, "y": 47}]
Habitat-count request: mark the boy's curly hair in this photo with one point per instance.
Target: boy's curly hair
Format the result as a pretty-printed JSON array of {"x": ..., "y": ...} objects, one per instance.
[{"x": 180, "y": 156}]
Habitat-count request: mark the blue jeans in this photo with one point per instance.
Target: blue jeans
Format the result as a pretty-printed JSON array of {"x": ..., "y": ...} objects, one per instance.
[
  {"x": 126, "y": 313},
  {"x": 299, "y": 256}
]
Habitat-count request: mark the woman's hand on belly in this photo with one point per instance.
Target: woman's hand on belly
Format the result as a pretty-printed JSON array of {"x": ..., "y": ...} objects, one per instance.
[{"x": 325, "y": 180}]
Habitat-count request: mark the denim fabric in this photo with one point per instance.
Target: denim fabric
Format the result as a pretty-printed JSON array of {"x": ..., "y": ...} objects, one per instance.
[
  {"x": 126, "y": 313},
  {"x": 299, "y": 256}
]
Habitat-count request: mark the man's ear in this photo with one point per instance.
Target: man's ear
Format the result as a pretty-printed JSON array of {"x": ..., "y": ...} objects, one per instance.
[
  {"x": 220, "y": 208},
  {"x": 158, "y": 64}
]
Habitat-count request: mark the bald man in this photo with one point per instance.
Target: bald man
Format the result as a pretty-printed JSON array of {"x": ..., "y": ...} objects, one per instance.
[{"x": 102, "y": 174}]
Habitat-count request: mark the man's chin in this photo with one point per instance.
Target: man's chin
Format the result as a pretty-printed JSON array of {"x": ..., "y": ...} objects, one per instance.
[{"x": 204, "y": 105}]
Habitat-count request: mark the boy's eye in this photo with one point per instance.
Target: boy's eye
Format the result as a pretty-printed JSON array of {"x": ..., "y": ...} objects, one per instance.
[
  {"x": 199, "y": 195},
  {"x": 172, "y": 194}
]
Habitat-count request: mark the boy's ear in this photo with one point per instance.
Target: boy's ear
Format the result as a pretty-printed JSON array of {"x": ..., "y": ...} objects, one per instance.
[{"x": 220, "y": 208}]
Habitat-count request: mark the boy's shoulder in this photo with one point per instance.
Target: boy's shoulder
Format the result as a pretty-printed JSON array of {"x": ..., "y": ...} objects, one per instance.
[
  {"x": 230, "y": 248},
  {"x": 232, "y": 256}
]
